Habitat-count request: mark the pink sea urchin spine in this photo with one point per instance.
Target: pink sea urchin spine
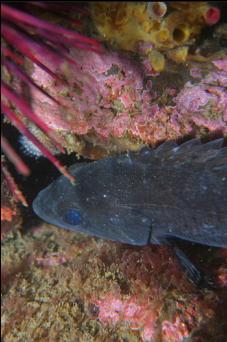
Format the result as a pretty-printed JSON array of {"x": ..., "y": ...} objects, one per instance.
[
  {"x": 19, "y": 124},
  {"x": 27, "y": 111},
  {"x": 33, "y": 37},
  {"x": 14, "y": 158},
  {"x": 21, "y": 17},
  {"x": 18, "y": 196}
]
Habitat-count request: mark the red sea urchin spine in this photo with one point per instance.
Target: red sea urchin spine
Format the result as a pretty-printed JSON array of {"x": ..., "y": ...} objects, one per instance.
[
  {"x": 8, "y": 53},
  {"x": 24, "y": 107},
  {"x": 18, "y": 196},
  {"x": 23, "y": 129},
  {"x": 32, "y": 37},
  {"x": 20, "y": 74},
  {"x": 76, "y": 39},
  {"x": 14, "y": 158}
]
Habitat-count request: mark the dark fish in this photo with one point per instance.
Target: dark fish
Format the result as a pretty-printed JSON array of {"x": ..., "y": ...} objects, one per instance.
[{"x": 149, "y": 197}]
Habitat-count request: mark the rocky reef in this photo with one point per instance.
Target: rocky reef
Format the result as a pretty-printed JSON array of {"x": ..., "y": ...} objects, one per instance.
[
  {"x": 67, "y": 286},
  {"x": 97, "y": 103},
  {"x": 167, "y": 29},
  {"x": 113, "y": 103},
  {"x": 132, "y": 74}
]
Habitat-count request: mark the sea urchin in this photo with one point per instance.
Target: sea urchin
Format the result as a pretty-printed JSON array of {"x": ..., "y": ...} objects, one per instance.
[{"x": 29, "y": 29}]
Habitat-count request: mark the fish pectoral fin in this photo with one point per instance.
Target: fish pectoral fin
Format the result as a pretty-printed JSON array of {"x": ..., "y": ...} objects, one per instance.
[{"x": 194, "y": 274}]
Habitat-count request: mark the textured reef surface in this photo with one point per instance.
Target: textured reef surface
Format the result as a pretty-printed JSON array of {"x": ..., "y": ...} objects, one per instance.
[
  {"x": 113, "y": 103},
  {"x": 58, "y": 286},
  {"x": 120, "y": 99},
  {"x": 11, "y": 218}
]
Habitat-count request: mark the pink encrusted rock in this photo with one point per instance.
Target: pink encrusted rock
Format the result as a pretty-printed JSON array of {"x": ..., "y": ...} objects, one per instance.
[
  {"x": 174, "y": 331},
  {"x": 50, "y": 260},
  {"x": 110, "y": 311},
  {"x": 139, "y": 316},
  {"x": 191, "y": 99},
  {"x": 109, "y": 96},
  {"x": 218, "y": 78},
  {"x": 221, "y": 64},
  {"x": 196, "y": 73},
  {"x": 94, "y": 95}
]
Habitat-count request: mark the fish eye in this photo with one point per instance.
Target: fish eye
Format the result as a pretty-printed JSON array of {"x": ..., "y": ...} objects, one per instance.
[{"x": 72, "y": 216}]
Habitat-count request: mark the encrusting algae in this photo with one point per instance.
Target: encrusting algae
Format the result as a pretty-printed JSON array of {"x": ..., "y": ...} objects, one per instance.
[{"x": 68, "y": 287}]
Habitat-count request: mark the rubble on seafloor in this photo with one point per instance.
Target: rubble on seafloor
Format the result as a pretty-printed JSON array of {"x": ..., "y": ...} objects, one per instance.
[{"x": 62, "y": 286}]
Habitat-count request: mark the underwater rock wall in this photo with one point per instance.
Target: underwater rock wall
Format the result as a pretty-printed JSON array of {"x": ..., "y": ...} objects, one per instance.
[
  {"x": 111, "y": 101},
  {"x": 157, "y": 78}
]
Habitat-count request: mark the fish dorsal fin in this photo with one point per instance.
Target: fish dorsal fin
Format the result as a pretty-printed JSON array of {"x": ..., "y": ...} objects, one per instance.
[
  {"x": 76, "y": 167},
  {"x": 164, "y": 149},
  {"x": 193, "y": 151}
]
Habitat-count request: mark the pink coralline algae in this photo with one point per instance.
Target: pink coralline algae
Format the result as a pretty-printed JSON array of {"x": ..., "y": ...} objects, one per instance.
[
  {"x": 221, "y": 64},
  {"x": 153, "y": 275},
  {"x": 51, "y": 260},
  {"x": 174, "y": 332},
  {"x": 194, "y": 101},
  {"x": 191, "y": 99},
  {"x": 108, "y": 96},
  {"x": 138, "y": 316},
  {"x": 98, "y": 98}
]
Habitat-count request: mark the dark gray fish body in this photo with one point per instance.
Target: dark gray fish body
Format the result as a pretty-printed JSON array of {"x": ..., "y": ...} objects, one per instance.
[
  {"x": 173, "y": 191},
  {"x": 146, "y": 197}
]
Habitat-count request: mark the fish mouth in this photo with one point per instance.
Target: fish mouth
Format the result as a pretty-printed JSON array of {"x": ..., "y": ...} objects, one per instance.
[
  {"x": 42, "y": 207},
  {"x": 37, "y": 205}
]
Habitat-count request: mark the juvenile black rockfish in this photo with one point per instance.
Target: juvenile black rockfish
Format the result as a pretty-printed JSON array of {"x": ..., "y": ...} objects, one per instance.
[{"x": 150, "y": 197}]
